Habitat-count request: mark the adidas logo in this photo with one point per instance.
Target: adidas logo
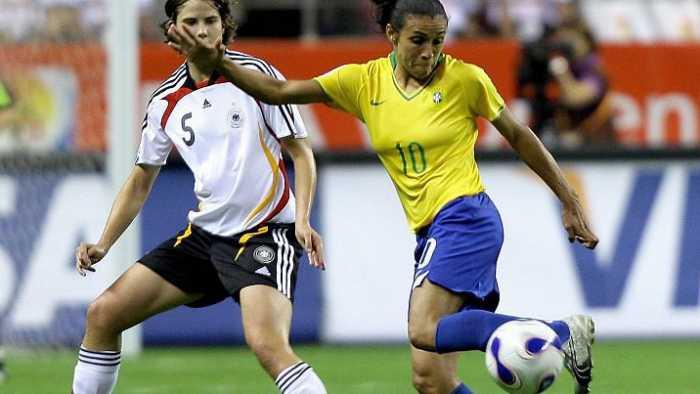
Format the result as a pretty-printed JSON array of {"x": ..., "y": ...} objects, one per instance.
[
  {"x": 206, "y": 104},
  {"x": 263, "y": 271}
]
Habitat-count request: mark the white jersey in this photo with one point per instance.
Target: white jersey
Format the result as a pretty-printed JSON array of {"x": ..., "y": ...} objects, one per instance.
[{"x": 230, "y": 142}]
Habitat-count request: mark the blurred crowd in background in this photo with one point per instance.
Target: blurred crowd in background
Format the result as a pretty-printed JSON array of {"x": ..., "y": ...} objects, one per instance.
[
  {"x": 559, "y": 73},
  {"x": 525, "y": 20}
]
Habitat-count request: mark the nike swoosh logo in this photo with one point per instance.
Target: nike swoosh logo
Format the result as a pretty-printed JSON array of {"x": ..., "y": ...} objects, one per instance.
[{"x": 375, "y": 103}]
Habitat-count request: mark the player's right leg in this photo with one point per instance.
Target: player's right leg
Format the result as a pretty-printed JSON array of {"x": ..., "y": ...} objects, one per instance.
[
  {"x": 177, "y": 272},
  {"x": 138, "y": 294},
  {"x": 267, "y": 317}
]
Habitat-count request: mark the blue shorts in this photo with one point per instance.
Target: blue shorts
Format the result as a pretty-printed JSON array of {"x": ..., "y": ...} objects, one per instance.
[{"x": 459, "y": 250}]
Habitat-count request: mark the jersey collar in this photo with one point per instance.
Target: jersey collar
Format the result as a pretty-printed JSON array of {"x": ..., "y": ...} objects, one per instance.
[
  {"x": 394, "y": 63},
  {"x": 194, "y": 85}
]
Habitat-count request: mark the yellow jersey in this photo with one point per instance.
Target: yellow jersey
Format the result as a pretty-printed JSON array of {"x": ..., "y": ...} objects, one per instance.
[{"x": 425, "y": 139}]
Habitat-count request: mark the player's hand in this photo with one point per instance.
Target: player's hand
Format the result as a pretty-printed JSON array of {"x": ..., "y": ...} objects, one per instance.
[
  {"x": 312, "y": 243},
  {"x": 86, "y": 255},
  {"x": 576, "y": 225},
  {"x": 195, "y": 48}
]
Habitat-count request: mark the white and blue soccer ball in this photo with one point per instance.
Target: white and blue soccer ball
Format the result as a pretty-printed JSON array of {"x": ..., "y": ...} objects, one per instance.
[{"x": 524, "y": 356}]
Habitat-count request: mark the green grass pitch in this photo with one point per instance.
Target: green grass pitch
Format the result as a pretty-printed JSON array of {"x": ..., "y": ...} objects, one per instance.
[{"x": 671, "y": 367}]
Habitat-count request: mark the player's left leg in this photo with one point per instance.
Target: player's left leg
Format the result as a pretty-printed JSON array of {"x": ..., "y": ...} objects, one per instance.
[
  {"x": 267, "y": 317},
  {"x": 435, "y": 373},
  {"x": 433, "y": 329},
  {"x": 432, "y": 373}
]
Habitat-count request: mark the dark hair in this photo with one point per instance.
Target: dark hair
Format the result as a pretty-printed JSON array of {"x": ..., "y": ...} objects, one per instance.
[
  {"x": 225, "y": 8},
  {"x": 394, "y": 12}
]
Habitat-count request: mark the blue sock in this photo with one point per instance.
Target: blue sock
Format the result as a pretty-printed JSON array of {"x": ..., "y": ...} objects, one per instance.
[
  {"x": 471, "y": 329},
  {"x": 462, "y": 389}
]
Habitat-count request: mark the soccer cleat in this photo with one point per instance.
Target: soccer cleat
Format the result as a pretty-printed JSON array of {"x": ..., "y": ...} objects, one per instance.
[{"x": 577, "y": 351}]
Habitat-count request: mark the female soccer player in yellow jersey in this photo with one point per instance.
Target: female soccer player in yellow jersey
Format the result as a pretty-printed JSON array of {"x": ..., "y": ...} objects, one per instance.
[{"x": 420, "y": 106}]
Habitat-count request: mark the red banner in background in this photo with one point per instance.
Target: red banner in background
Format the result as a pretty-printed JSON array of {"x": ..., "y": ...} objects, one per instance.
[
  {"x": 656, "y": 88},
  {"x": 657, "y": 93}
]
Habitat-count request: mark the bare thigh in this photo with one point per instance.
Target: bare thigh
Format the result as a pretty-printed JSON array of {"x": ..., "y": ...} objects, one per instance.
[
  {"x": 267, "y": 317},
  {"x": 136, "y": 295}
]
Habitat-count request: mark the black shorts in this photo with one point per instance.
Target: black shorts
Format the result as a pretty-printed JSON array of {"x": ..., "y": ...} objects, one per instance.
[{"x": 196, "y": 261}]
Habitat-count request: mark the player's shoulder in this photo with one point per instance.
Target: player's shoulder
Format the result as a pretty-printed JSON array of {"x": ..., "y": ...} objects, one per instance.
[
  {"x": 358, "y": 71},
  {"x": 462, "y": 70},
  {"x": 171, "y": 84},
  {"x": 252, "y": 62}
]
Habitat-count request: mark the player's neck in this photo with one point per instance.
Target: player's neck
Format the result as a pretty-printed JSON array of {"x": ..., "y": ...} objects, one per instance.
[
  {"x": 199, "y": 74},
  {"x": 408, "y": 83}
]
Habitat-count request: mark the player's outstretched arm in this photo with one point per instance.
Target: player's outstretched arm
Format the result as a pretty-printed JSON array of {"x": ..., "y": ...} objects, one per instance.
[
  {"x": 126, "y": 206},
  {"x": 304, "y": 187},
  {"x": 262, "y": 87},
  {"x": 537, "y": 157}
]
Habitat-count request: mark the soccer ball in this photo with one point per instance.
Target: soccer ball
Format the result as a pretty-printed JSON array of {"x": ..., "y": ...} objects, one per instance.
[{"x": 524, "y": 356}]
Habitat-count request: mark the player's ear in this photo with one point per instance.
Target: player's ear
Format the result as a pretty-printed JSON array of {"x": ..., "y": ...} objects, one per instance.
[{"x": 392, "y": 34}]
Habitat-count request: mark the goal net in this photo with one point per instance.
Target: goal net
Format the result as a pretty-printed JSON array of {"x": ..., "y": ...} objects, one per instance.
[{"x": 68, "y": 118}]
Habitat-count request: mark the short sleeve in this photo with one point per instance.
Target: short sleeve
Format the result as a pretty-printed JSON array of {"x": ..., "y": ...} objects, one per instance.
[
  {"x": 487, "y": 102},
  {"x": 343, "y": 86},
  {"x": 155, "y": 144},
  {"x": 284, "y": 120}
]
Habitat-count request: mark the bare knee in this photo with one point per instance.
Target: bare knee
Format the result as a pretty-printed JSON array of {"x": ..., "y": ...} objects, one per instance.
[
  {"x": 422, "y": 334},
  {"x": 272, "y": 353},
  {"x": 102, "y": 315}
]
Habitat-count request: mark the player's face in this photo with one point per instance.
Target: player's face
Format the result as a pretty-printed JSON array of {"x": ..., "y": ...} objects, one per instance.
[
  {"x": 420, "y": 44},
  {"x": 202, "y": 19}
]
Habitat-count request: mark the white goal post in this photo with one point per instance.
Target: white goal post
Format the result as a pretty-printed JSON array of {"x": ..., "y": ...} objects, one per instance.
[{"x": 122, "y": 90}]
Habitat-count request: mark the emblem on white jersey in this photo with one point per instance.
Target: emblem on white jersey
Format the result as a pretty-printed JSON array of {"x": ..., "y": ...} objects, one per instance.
[
  {"x": 437, "y": 97},
  {"x": 206, "y": 104},
  {"x": 235, "y": 117},
  {"x": 263, "y": 254}
]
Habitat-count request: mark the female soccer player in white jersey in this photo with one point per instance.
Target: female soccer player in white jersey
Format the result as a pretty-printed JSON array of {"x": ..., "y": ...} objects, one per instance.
[
  {"x": 420, "y": 107},
  {"x": 248, "y": 232}
]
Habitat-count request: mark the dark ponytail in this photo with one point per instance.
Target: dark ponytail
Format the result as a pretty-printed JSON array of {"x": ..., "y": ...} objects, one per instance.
[
  {"x": 394, "y": 12},
  {"x": 383, "y": 11}
]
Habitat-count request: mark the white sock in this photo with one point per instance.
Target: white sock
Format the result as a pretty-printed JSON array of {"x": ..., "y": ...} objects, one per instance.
[
  {"x": 300, "y": 378},
  {"x": 96, "y": 372}
]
